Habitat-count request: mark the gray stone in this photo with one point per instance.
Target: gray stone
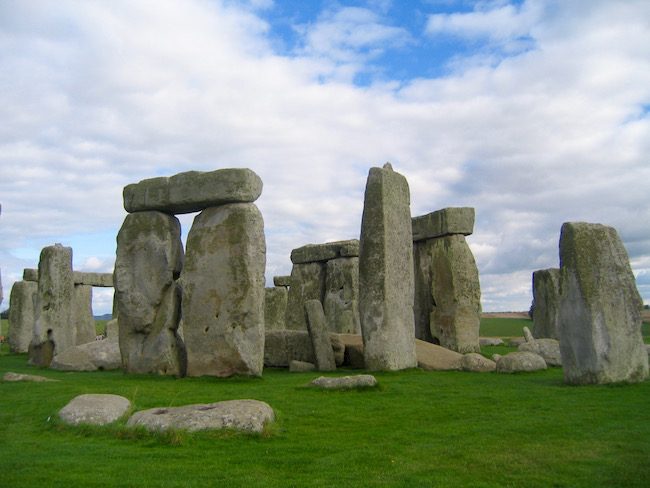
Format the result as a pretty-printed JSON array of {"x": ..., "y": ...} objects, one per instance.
[
  {"x": 432, "y": 357},
  {"x": 113, "y": 329},
  {"x": 546, "y": 303},
  {"x": 101, "y": 280},
  {"x": 319, "y": 336},
  {"x": 193, "y": 191},
  {"x": 307, "y": 283},
  {"x": 490, "y": 341},
  {"x": 9, "y": 376},
  {"x": 283, "y": 346},
  {"x": 22, "y": 301},
  {"x": 30, "y": 274},
  {"x": 549, "y": 349},
  {"x": 82, "y": 314},
  {"x": 445, "y": 222},
  {"x": 301, "y": 366},
  {"x": 223, "y": 292},
  {"x": 341, "y": 295},
  {"x": 101, "y": 355},
  {"x": 275, "y": 308},
  {"x": 312, "y": 253},
  {"x": 149, "y": 258},
  {"x": 600, "y": 308},
  {"x": 244, "y": 415},
  {"x": 345, "y": 382},
  {"x": 386, "y": 272},
  {"x": 54, "y": 330},
  {"x": 477, "y": 363},
  {"x": 516, "y": 341},
  {"x": 94, "y": 409},
  {"x": 515, "y": 362},
  {"x": 447, "y": 293},
  {"x": 284, "y": 281}
]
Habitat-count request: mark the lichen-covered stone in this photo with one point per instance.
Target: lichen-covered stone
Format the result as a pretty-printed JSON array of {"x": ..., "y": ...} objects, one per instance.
[
  {"x": 30, "y": 274},
  {"x": 386, "y": 272},
  {"x": 546, "y": 303},
  {"x": 445, "y": 222},
  {"x": 82, "y": 314},
  {"x": 223, "y": 292},
  {"x": 22, "y": 301},
  {"x": 102, "y": 280},
  {"x": 312, "y": 253},
  {"x": 193, "y": 191},
  {"x": 307, "y": 283},
  {"x": 275, "y": 308},
  {"x": 341, "y": 295},
  {"x": 600, "y": 308},
  {"x": 284, "y": 281},
  {"x": 319, "y": 336},
  {"x": 149, "y": 259},
  {"x": 54, "y": 328},
  {"x": 447, "y": 293}
]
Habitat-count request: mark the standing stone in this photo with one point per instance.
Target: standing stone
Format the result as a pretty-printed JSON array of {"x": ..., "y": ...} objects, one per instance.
[
  {"x": 22, "y": 301},
  {"x": 600, "y": 308},
  {"x": 307, "y": 283},
  {"x": 386, "y": 273},
  {"x": 341, "y": 301},
  {"x": 149, "y": 259},
  {"x": 82, "y": 314},
  {"x": 448, "y": 293},
  {"x": 223, "y": 292},
  {"x": 275, "y": 308},
  {"x": 546, "y": 303},
  {"x": 319, "y": 335},
  {"x": 54, "y": 330}
]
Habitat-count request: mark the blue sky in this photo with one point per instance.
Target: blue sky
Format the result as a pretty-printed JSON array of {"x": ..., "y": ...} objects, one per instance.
[{"x": 534, "y": 112}]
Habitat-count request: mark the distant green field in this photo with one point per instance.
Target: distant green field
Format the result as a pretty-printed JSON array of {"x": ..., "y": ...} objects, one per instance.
[{"x": 503, "y": 327}]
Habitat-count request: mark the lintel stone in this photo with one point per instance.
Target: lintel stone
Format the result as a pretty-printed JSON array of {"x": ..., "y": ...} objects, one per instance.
[
  {"x": 312, "y": 253},
  {"x": 282, "y": 280},
  {"x": 30, "y": 274},
  {"x": 93, "y": 279},
  {"x": 448, "y": 221}
]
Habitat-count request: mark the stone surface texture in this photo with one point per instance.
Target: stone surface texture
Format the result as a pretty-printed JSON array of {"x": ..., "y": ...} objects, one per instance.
[
  {"x": 546, "y": 303},
  {"x": 549, "y": 349},
  {"x": 516, "y": 362},
  {"x": 223, "y": 292},
  {"x": 477, "y": 363},
  {"x": 386, "y": 272},
  {"x": 312, "y": 253},
  {"x": 102, "y": 280},
  {"x": 600, "y": 308},
  {"x": 341, "y": 295},
  {"x": 284, "y": 281},
  {"x": 149, "y": 259},
  {"x": 94, "y": 409},
  {"x": 275, "y": 308},
  {"x": 432, "y": 357},
  {"x": 82, "y": 314},
  {"x": 22, "y": 301},
  {"x": 441, "y": 223},
  {"x": 193, "y": 191},
  {"x": 101, "y": 355},
  {"x": 244, "y": 415},
  {"x": 10, "y": 376},
  {"x": 345, "y": 382},
  {"x": 490, "y": 341},
  {"x": 307, "y": 283},
  {"x": 319, "y": 336},
  {"x": 447, "y": 303},
  {"x": 30, "y": 274},
  {"x": 283, "y": 346},
  {"x": 301, "y": 366},
  {"x": 54, "y": 330}
]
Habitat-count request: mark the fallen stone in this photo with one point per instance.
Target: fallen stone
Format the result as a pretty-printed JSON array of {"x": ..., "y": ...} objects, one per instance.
[
  {"x": 549, "y": 349},
  {"x": 244, "y": 415},
  {"x": 600, "y": 308},
  {"x": 283, "y": 346},
  {"x": 30, "y": 274},
  {"x": 25, "y": 377},
  {"x": 312, "y": 253},
  {"x": 275, "y": 308},
  {"x": 22, "y": 302},
  {"x": 102, "y": 280},
  {"x": 445, "y": 222},
  {"x": 477, "y": 363},
  {"x": 319, "y": 336},
  {"x": 345, "y": 382},
  {"x": 490, "y": 341},
  {"x": 301, "y": 366},
  {"x": 223, "y": 292},
  {"x": 307, "y": 283},
  {"x": 193, "y": 191},
  {"x": 94, "y": 409},
  {"x": 386, "y": 272},
  {"x": 101, "y": 355},
  {"x": 546, "y": 303},
  {"x": 516, "y": 362},
  {"x": 284, "y": 281},
  {"x": 516, "y": 341},
  {"x": 432, "y": 357},
  {"x": 341, "y": 295}
]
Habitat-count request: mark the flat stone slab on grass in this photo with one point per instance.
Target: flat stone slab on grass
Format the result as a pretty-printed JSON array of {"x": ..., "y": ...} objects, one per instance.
[
  {"x": 516, "y": 362},
  {"x": 345, "y": 382},
  {"x": 95, "y": 409},
  {"x": 9, "y": 376},
  {"x": 98, "y": 355},
  {"x": 436, "y": 358},
  {"x": 244, "y": 415}
]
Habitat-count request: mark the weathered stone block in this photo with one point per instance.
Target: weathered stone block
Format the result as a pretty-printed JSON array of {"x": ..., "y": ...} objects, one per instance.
[
  {"x": 546, "y": 302},
  {"x": 386, "y": 273},
  {"x": 283, "y": 346},
  {"x": 445, "y": 222},
  {"x": 94, "y": 409},
  {"x": 600, "y": 308},
  {"x": 82, "y": 314},
  {"x": 30, "y": 274},
  {"x": 282, "y": 281},
  {"x": 307, "y": 283},
  {"x": 149, "y": 258},
  {"x": 312, "y": 253},
  {"x": 22, "y": 303},
  {"x": 104, "y": 280},
  {"x": 341, "y": 295},
  {"x": 275, "y": 308},
  {"x": 193, "y": 191},
  {"x": 447, "y": 293},
  {"x": 223, "y": 292},
  {"x": 319, "y": 336}
]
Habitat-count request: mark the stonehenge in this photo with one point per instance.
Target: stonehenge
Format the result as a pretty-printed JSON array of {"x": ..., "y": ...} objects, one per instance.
[{"x": 545, "y": 307}]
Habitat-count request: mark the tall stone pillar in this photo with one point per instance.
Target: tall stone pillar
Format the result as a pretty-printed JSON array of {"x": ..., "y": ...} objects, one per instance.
[
  {"x": 546, "y": 303},
  {"x": 82, "y": 314},
  {"x": 22, "y": 302},
  {"x": 386, "y": 273}
]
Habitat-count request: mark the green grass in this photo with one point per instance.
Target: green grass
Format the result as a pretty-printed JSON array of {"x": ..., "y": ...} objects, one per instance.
[
  {"x": 417, "y": 429},
  {"x": 503, "y": 327}
]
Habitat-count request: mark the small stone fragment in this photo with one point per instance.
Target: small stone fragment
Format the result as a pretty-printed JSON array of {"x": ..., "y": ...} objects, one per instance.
[
  {"x": 345, "y": 382},
  {"x": 25, "y": 377}
]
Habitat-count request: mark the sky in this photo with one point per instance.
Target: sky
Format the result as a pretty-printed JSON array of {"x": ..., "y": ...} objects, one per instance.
[{"x": 534, "y": 112}]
